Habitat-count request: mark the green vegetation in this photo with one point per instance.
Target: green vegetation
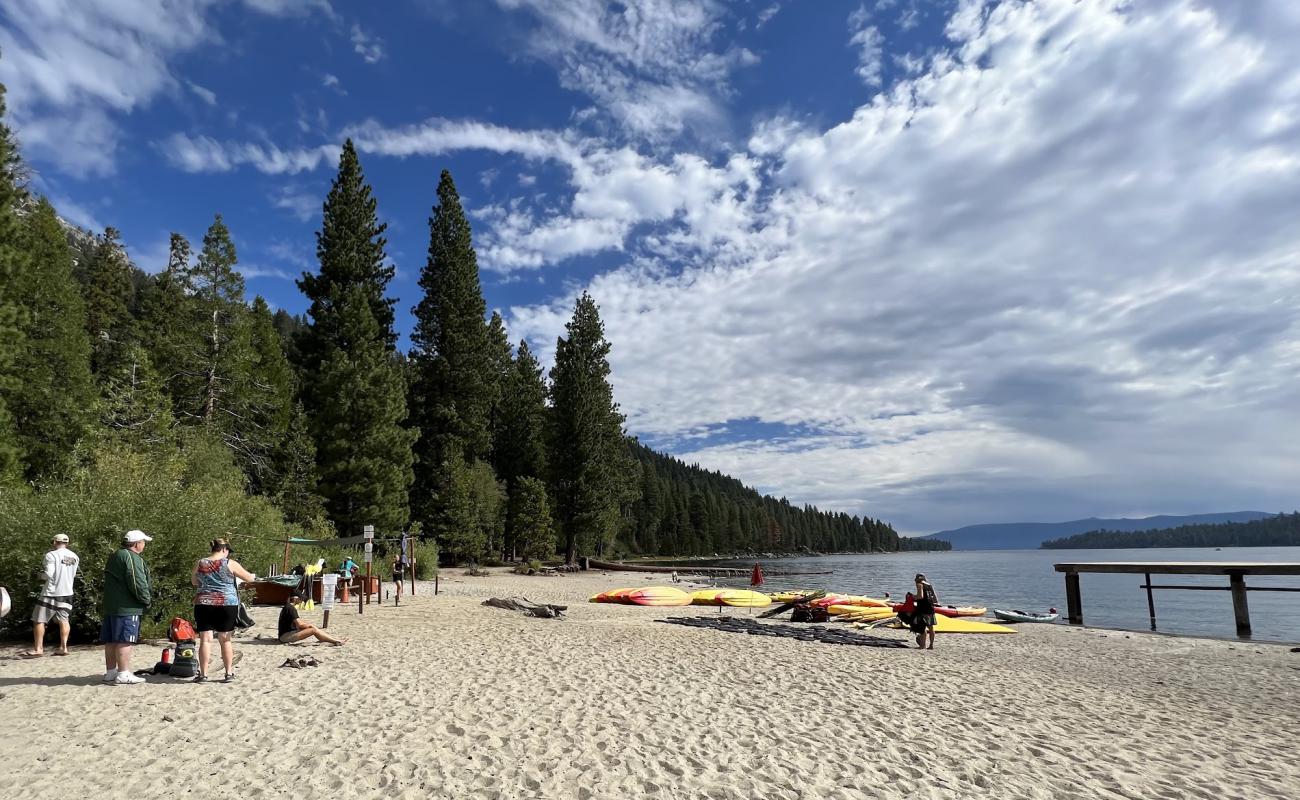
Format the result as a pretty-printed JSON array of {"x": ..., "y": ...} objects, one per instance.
[
  {"x": 176, "y": 404},
  {"x": 1280, "y": 531}
]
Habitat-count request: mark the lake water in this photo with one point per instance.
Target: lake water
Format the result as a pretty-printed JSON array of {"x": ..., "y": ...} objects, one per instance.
[{"x": 1024, "y": 579}]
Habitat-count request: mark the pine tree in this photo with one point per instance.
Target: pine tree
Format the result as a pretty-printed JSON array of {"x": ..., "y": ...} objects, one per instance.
[
  {"x": 521, "y": 449},
  {"x": 219, "y": 294},
  {"x": 531, "y": 526},
  {"x": 12, "y": 263},
  {"x": 53, "y": 402},
  {"x": 171, "y": 323},
  {"x": 267, "y": 399},
  {"x": 501, "y": 363},
  {"x": 591, "y": 471},
  {"x": 350, "y": 249},
  {"x": 295, "y": 487},
  {"x": 108, "y": 292},
  {"x": 451, "y": 363},
  {"x": 353, "y": 385},
  {"x": 136, "y": 411}
]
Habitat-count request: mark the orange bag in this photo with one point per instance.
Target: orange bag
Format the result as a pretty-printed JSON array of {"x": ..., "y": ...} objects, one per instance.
[{"x": 181, "y": 630}]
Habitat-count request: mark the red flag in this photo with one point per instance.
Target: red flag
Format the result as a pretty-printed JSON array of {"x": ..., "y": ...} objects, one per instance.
[{"x": 756, "y": 579}]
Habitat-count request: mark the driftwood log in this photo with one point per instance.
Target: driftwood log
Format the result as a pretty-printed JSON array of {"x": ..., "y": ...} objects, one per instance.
[{"x": 542, "y": 610}]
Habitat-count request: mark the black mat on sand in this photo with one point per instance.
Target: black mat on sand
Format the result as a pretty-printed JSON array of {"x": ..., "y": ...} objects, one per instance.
[{"x": 806, "y": 633}]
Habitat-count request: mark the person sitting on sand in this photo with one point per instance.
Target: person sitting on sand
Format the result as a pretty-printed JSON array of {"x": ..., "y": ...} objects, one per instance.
[
  {"x": 293, "y": 629},
  {"x": 925, "y": 604}
]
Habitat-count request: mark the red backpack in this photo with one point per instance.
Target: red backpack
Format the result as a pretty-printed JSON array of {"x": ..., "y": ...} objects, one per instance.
[{"x": 181, "y": 631}]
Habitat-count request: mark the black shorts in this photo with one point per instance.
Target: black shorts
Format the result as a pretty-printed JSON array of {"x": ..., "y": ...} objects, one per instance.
[
  {"x": 220, "y": 619},
  {"x": 399, "y": 576}
]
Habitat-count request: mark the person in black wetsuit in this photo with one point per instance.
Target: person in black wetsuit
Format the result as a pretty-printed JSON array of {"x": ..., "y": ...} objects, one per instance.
[{"x": 923, "y": 621}]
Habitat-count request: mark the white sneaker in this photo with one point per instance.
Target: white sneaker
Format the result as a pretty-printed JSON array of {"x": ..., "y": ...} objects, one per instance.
[
  {"x": 110, "y": 676},
  {"x": 127, "y": 679}
]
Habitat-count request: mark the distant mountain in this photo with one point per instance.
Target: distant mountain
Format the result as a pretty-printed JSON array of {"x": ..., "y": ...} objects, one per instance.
[{"x": 1029, "y": 535}]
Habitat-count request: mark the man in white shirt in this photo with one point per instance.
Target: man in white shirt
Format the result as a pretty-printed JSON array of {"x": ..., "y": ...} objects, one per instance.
[{"x": 55, "y": 600}]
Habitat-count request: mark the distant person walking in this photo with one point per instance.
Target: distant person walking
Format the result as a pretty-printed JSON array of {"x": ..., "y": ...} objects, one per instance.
[
  {"x": 216, "y": 606},
  {"x": 399, "y": 572},
  {"x": 54, "y": 603},
  {"x": 925, "y": 604},
  {"x": 126, "y": 596}
]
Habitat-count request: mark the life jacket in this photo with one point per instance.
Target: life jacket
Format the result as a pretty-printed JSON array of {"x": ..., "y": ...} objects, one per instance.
[{"x": 181, "y": 631}]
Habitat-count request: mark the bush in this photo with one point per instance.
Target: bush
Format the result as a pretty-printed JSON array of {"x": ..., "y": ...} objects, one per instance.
[
  {"x": 528, "y": 568},
  {"x": 475, "y": 572},
  {"x": 182, "y": 497},
  {"x": 426, "y": 560}
]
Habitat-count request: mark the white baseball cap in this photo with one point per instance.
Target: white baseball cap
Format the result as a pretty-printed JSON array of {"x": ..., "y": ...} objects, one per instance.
[
  {"x": 136, "y": 536},
  {"x": 62, "y": 538}
]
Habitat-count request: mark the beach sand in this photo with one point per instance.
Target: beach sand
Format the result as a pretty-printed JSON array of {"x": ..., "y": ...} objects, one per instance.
[{"x": 444, "y": 697}]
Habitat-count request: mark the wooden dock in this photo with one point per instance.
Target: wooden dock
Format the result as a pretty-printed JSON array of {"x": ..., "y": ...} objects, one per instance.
[{"x": 1236, "y": 571}]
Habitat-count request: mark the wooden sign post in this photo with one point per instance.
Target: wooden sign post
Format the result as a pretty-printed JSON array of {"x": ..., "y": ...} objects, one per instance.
[{"x": 369, "y": 532}]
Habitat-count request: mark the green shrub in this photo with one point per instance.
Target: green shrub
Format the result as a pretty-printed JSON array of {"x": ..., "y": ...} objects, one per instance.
[
  {"x": 183, "y": 498},
  {"x": 426, "y": 560},
  {"x": 475, "y": 572}
]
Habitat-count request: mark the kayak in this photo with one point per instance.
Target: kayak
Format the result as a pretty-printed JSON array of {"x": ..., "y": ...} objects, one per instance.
[
  {"x": 954, "y": 625},
  {"x": 1022, "y": 616},
  {"x": 948, "y": 611},
  {"x": 849, "y": 600},
  {"x": 744, "y": 598},
  {"x": 611, "y": 596},
  {"x": 657, "y": 596}
]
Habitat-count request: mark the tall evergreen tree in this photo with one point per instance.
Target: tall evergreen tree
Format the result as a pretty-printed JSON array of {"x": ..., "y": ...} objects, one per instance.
[
  {"x": 590, "y": 468},
  {"x": 500, "y": 369},
  {"x": 451, "y": 393},
  {"x": 267, "y": 399},
  {"x": 12, "y": 263},
  {"x": 171, "y": 323},
  {"x": 219, "y": 292},
  {"x": 108, "y": 292},
  {"x": 353, "y": 388},
  {"x": 295, "y": 487},
  {"x": 135, "y": 410},
  {"x": 530, "y": 524},
  {"x": 350, "y": 249},
  {"x": 53, "y": 403},
  {"x": 521, "y": 449}
]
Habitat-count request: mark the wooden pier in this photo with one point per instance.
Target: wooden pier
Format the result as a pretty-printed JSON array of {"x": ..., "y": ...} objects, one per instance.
[{"x": 1236, "y": 571}]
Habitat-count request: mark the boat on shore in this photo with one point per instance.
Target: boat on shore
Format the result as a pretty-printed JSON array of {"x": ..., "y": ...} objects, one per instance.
[{"x": 1016, "y": 615}]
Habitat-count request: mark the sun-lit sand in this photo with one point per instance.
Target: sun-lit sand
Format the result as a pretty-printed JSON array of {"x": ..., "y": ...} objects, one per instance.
[{"x": 443, "y": 697}]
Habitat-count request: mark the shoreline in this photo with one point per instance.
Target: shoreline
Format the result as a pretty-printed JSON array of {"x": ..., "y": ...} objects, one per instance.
[{"x": 445, "y": 697}]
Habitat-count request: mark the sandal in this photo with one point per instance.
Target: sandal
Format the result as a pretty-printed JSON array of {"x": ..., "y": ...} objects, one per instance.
[
  {"x": 31, "y": 654},
  {"x": 60, "y": 653}
]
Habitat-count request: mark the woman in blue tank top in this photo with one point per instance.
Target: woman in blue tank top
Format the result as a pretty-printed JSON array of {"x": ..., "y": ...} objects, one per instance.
[{"x": 216, "y": 605}]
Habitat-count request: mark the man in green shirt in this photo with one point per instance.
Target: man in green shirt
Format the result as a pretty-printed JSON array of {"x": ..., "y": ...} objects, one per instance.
[{"x": 126, "y": 595}]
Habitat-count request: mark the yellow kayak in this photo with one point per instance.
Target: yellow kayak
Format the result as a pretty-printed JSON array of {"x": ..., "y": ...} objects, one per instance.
[
  {"x": 944, "y": 624},
  {"x": 611, "y": 596},
  {"x": 744, "y": 598}
]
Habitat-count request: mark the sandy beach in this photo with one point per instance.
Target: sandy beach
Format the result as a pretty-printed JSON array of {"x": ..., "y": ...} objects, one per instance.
[{"x": 443, "y": 697}]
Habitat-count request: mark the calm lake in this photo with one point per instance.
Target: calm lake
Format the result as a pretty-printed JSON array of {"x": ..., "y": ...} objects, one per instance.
[{"x": 1024, "y": 579}]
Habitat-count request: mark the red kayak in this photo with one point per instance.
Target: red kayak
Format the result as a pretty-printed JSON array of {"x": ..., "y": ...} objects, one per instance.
[{"x": 910, "y": 605}]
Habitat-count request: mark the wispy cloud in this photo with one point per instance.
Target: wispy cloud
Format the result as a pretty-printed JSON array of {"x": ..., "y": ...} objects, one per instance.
[
  {"x": 303, "y": 205},
  {"x": 870, "y": 44},
  {"x": 368, "y": 46},
  {"x": 331, "y": 81},
  {"x": 206, "y": 95}
]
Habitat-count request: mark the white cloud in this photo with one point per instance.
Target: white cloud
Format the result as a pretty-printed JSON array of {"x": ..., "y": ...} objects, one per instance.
[
  {"x": 206, "y": 95},
  {"x": 303, "y": 205},
  {"x": 1021, "y": 283},
  {"x": 330, "y": 81},
  {"x": 205, "y": 154},
  {"x": 654, "y": 67},
  {"x": 368, "y": 46},
  {"x": 766, "y": 14},
  {"x": 870, "y": 44},
  {"x": 292, "y": 8},
  {"x": 252, "y": 271},
  {"x": 73, "y": 70}
]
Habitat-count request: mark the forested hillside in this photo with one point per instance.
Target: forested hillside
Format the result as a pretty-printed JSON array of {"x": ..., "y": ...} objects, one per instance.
[
  {"x": 114, "y": 383},
  {"x": 686, "y": 510},
  {"x": 1282, "y": 530}
]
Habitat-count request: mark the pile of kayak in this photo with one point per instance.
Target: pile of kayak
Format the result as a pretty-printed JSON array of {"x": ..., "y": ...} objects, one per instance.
[{"x": 858, "y": 609}]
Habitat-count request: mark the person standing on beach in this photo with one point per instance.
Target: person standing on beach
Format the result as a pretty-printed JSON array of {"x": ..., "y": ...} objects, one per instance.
[
  {"x": 55, "y": 600},
  {"x": 216, "y": 605},
  {"x": 126, "y": 596},
  {"x": 925, "y": 603}
]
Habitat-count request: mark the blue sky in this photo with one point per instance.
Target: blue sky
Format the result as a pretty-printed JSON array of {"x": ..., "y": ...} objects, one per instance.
[{"x": 936, "y": 261}]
